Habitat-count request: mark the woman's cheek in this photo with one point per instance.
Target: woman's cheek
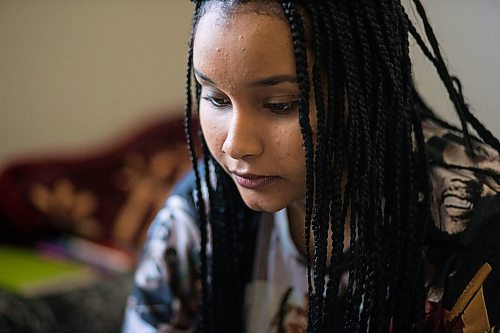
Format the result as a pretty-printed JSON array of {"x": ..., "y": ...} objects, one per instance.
[{"x": 213, "y": 132}]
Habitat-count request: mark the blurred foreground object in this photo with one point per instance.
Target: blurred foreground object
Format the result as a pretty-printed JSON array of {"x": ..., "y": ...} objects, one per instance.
[{"x": 71, "y": 227}]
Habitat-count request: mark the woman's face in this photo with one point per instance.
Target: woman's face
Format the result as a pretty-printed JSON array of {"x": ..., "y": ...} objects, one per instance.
[{"x": 249, "y": 105}]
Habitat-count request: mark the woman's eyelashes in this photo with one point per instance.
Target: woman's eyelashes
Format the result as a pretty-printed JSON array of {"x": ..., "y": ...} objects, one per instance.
[
  {"x": 217, "y": 102},
  {"x": 281, "y": 108}
]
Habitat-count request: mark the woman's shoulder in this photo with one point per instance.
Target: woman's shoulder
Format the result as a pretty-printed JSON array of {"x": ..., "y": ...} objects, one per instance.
[
  {"x": 178, "y": 218},
  {"x": 181, "y": 200},
  {"x": 165, "y": 292},
  {"x": 185, "y": 189}
]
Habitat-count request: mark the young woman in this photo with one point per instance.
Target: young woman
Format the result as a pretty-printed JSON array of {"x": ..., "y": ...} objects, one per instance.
[{"x": 329, "y": 197}]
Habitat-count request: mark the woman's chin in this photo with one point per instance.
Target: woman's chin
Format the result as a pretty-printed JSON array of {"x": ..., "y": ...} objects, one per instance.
[{"x": 263, "y": 205}]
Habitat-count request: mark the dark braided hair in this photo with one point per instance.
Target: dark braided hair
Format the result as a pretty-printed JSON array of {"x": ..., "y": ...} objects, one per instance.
[{"x": 366, "y": 168}]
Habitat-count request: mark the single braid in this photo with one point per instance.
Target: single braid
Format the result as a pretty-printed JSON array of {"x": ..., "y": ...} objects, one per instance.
[
  {"x": 300, "y": 53},
  {"x": 334, "y": 200},
  {"x": 320, "y": 214},
  {"x": 415, "y": 225},
  {"x": 356, "y": 185},
  {"x": 204, "y": 315},
  {"x": 372, "y": 257}
]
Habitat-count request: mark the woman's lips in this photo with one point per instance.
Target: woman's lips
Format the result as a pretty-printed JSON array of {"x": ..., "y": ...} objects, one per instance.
[{"x": 253, "y": 181}]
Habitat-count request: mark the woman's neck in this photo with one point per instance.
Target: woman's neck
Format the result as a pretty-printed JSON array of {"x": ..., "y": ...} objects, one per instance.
[{"x": 296, "y": 217}]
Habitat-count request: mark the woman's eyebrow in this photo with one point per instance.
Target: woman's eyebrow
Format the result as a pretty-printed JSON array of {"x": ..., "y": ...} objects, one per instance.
[
  {"x": 268, "y": 81},
  {"x": 274, "y": 80},
  {"x": 202, "y": 76}
]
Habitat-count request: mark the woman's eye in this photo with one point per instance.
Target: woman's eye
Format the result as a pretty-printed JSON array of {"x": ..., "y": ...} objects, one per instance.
[
  {"x": 282, "y": 108},
  {"x": 217, "y": 102}
]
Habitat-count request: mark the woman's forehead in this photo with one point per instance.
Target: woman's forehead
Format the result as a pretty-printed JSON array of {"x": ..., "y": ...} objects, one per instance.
[
  {"x": 245, "y": 21},
  {"x": 245, "y": 43},
  {"x": 262, "y": 20},
  {"x": 230, "y": 11}
]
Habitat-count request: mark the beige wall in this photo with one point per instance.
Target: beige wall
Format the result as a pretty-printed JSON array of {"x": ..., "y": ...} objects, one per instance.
[
  {"x": 74, "y": 73},
  {"x": 468, "y": 32}
]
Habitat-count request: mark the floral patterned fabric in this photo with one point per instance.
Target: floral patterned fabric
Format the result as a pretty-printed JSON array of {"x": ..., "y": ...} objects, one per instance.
[{"x": 463, "y": 255}]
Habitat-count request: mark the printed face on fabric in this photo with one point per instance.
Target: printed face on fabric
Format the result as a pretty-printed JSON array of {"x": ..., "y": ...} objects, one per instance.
[{"x": 245, "y": 65}]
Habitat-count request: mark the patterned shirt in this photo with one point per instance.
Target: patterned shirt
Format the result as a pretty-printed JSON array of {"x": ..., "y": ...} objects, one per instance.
[{"x": 462, "y": 257}]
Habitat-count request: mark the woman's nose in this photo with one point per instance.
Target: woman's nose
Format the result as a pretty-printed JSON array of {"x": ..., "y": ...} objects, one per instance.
[{"x": 242, "y": 139}]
